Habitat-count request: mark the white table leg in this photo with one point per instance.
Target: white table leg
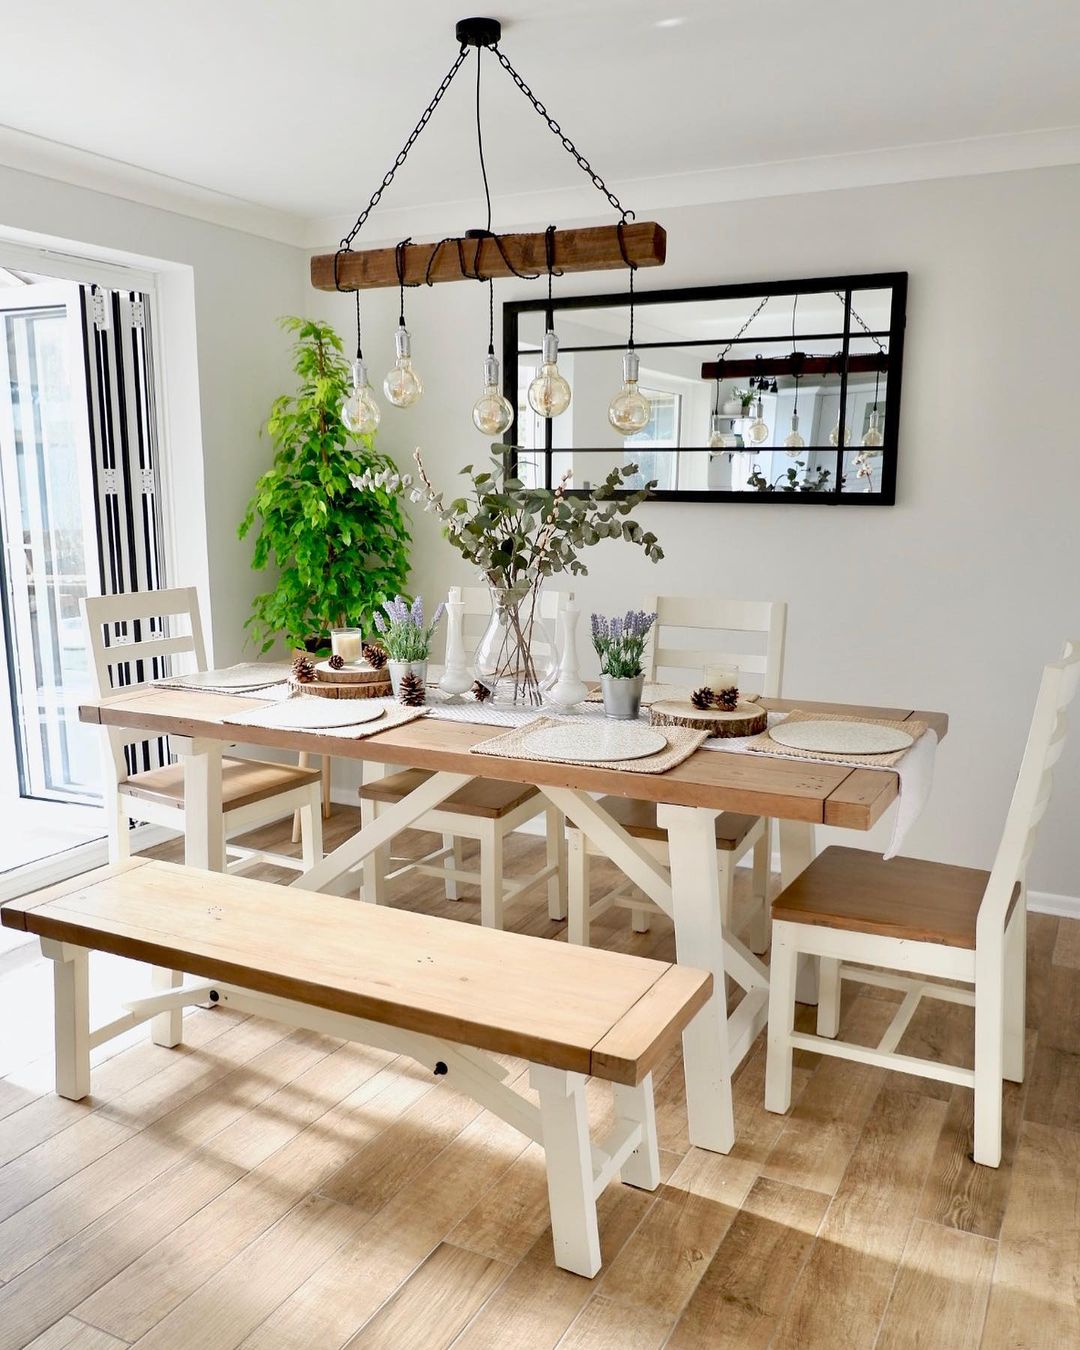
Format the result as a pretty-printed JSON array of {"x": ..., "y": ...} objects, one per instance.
[
  {"x": 204, "y": 846},
  {"x": 699, "y": 941},
  {"x": 796, "y": 855},
  {"x": 71, "y": 1014}
]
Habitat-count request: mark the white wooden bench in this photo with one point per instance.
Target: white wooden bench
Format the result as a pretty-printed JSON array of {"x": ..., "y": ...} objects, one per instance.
[{"x": 437, "y": 990}]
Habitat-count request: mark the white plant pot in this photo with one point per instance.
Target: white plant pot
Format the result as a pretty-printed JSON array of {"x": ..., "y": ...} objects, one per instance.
[{"x": 399, "y": 669}]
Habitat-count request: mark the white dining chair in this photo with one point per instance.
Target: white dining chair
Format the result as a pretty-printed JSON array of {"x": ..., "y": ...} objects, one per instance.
[
  {"x": 128, "y": 636},
  {"x": 921, "y": 919},
  {"x": 723, "y": 626},
  {"x": 484, "y": 810}
]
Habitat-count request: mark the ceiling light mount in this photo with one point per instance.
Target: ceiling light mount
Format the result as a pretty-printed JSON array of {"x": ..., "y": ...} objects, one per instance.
[{"x": 478, "y": 32}]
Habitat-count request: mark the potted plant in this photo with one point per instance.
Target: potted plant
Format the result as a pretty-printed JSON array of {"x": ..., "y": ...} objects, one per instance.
[
  {"x": 736, "y": 403},
  {"x": 620, "y": 644},
  {"x": 516, "y": 537},
  {"x": 338, "y": 556},
  {"x": 406, "y": 638}
]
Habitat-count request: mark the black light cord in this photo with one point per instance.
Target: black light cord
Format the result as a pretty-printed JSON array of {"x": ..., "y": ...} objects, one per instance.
[
  {"x": 633, "y": 268},
  {"x": 480, "y": 145},
  {"x": 399, "y": 264},
  {"x": 359, "y": 348},
  {"x": 491, "y": 317}
]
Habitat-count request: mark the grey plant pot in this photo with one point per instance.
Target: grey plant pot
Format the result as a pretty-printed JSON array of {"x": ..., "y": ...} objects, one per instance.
[
  {"x": 399, "y": 669},
  {"x": 622, "y": 696}
]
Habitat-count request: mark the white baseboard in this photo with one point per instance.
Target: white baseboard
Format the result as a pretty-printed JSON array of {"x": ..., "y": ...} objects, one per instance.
[{"x": 1046, "y": 902}]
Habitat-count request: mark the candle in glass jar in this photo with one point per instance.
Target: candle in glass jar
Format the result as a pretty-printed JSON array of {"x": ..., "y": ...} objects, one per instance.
[
  {"x": 719, "y": 678},
  {"x": 345, "y": 642}
]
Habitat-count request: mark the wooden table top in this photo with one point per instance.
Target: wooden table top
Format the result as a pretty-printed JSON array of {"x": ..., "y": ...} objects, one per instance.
[{"x": 755, "y": 784}]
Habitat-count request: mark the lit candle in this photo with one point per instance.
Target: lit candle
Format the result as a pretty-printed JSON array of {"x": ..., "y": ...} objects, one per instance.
[{"x": 345, "y": 642}]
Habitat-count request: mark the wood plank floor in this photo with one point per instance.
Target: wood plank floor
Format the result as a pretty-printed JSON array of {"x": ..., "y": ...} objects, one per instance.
[{"x": 262, "y": 1188}]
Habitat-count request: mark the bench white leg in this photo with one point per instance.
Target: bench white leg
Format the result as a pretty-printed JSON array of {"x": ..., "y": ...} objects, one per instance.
[
  {"x": 556, "y": 857},
  {"x": 642, "y": 1168},
  {"x": 71, "y": 1018},
  {"x": 565, "y": 1127},
  {"x": 1016, "y": 991},
  {"x": 990, "y": 973},
  {"x": 758, "y": 932},
  {"x": 796, "y": 855},
  {"x": 782, "y": 975},
  {"x": 166, "y": 1028},
  {"x": 699, "y": 941},
  {"x": 491, "y": 876},
  {"x": 640, "y": 918},
  {"x": 828, "y": 1008},
  {"x": 577, "y": 888}
]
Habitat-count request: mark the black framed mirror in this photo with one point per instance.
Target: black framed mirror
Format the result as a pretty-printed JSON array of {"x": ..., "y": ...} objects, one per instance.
[{"x": 780, "y": 391}]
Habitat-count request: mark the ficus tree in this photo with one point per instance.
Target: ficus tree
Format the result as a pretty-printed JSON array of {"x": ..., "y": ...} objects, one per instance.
[{"x": 339, "y": 553}]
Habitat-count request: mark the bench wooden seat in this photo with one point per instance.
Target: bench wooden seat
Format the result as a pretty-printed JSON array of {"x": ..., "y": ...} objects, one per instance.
[
  {"x": 638, "y": 819},
  {"x": 485, "y": 797},
  {"x": 435, "y": 989},
  {"x": 243, "y": 782}
]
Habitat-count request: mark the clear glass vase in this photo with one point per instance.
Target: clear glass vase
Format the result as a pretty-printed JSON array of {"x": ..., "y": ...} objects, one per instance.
[{"x": 515, "y": 655}]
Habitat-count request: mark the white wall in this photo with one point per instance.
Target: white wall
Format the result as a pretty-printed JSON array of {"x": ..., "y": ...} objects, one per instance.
[
  {"x": 954, "y": 598},
  {"x": 226, "y": 289}
]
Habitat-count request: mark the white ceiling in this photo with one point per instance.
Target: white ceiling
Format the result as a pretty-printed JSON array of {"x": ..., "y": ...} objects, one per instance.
[{"x": 282, "y": 116}]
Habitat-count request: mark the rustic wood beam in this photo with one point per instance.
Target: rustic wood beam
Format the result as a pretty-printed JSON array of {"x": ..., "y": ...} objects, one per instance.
[
  {"x": 595, "y": 249},
  {"x": 785, "y": 365}
]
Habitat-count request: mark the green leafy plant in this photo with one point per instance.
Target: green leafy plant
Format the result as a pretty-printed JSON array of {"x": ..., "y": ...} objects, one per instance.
[
  {"x": 339, "y": 554},
  {"x": 620, "y": 642},
  {"x": 789, "y": 481},
  {"x": 403, "y": 631}
]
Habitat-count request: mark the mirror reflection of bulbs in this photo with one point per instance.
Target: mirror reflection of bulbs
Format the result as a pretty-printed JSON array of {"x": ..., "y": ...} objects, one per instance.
[
  {"x": 757, "y": 433},
  {"x": 716, "y": 432},
  {"x": 874, "y": 440},
  {"x": 492, "y": 413},
  {"x": 549, "y": 393},
  {"x": 834, "y": 435},
  {"x": 793, "y": 441},
  {"x": 360, "y": 412},
  {"x": 403, "y": 386},
  {"x": 629, "y": 411}
]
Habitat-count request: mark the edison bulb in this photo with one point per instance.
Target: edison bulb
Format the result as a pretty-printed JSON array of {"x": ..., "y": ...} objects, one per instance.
[
  {"x": 492, "y": 413},
  {"x": 549, "y": 393},
  {"x": 757, "y": 433},
  {"x": 793, "y": 441},
  {"x": 834, "y": 435},
  {"x": 403, "y": 386},
  {"x": 716, "y": 432},
  {"x": 629, "y": 411},
  {"x": 874, "y": 440},
  {"x": 360, "y": 412}
]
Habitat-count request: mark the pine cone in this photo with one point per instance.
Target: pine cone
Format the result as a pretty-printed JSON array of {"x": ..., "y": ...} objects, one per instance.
[
  {"x": 411, "y": 691},
  {"x": 337, "y": 662},
  {"x": 703, "y": 698},
  {"x": 727, "y": 699},
  {"x": 303, "y": 669},
  {"x": 374, "y": 655},
  {"x": 480, "y": 692}
]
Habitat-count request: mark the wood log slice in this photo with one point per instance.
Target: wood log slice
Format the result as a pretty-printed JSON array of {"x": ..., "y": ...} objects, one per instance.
[
  {"x": 747, "y": 719},
  {"x": 322, "y": 688},
  {"x": 361, "y": 673}
]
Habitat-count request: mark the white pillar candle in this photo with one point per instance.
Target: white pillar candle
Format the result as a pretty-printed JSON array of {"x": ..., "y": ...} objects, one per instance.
[
  {"x": 718, "y": 678},
  {"x": 455, "y": 595},
  {"x": 346, "y": 643}
]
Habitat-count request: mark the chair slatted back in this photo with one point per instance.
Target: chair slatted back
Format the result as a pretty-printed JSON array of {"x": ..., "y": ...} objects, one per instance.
[
  {"x": 711, "y": 617},
  {"x": 136, "y": 638},
  {"x": 1031, "y": 796}
]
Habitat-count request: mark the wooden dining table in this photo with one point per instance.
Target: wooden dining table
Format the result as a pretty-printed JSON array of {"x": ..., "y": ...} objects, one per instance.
[{"x": 798, "y": 794}]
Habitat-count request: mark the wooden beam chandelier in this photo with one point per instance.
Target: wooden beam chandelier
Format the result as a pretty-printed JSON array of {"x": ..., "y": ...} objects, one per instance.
[{"x": 483, "y": 255}]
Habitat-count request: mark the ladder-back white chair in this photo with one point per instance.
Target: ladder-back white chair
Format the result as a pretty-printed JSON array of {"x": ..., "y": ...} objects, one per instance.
[
  {"x": 924, "y": 919},
  {"x": 142, "y": 627},
  {"x": 724, "y": 625},
  {"x": 483, "y": 810}
]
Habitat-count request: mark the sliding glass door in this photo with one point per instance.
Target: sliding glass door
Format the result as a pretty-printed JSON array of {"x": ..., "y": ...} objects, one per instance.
[{"x": 50, "y": 551}]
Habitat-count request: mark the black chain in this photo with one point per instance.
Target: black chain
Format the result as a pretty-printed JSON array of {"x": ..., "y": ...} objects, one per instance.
[
  {"x": 388, "y": 178},
  {"x": 862, "y": 323},
  {"x": 720, "y": 355},
  {"x": 567, "y": 143}
]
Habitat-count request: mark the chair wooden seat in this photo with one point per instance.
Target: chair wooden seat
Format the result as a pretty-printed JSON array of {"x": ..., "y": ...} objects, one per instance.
[
  {"x": 852, "y": 889},
  {"x": 243, "y": 782},
  {"x": 439, "y": 991},
  {"x": 483, "y": 797},
  {"x": 639, "y": 820}
]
